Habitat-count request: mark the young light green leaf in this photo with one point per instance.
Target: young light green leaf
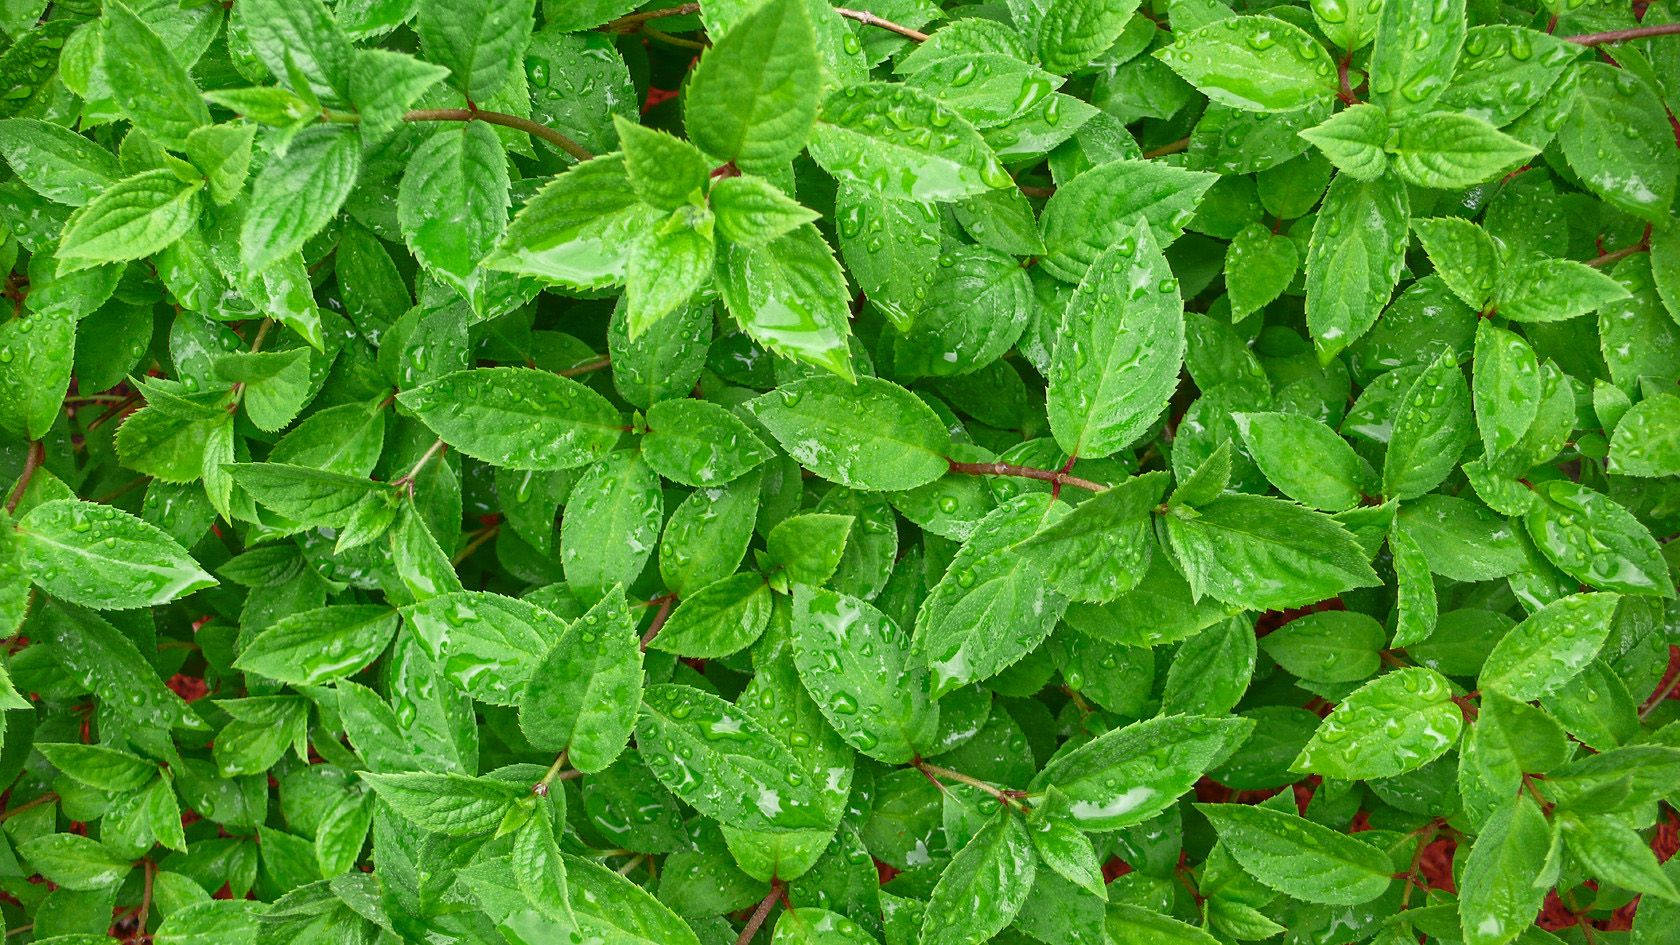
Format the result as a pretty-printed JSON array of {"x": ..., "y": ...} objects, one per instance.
[
  {"x": 321, "y": 645},
  {"x": 1260, "y": 63},
  {"x": 857, "y": 664},
  {"x": 1395, "y": 723},
  {"x": 722, "y": 762},
  {"x": 582, "y": 697},
  {"x": 874, "y": 435},
  {"x": 102, "y": 557},
  {"x": 1542, "y": 653},
  {"x": 517, "y": 417},
  {"x": 1118, "y": 355},
  {"x": 752, "y": 99}
]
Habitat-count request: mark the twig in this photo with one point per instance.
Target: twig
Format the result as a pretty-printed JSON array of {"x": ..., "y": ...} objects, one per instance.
[
  {"x": 1617, "y": 36},
  {"x": 31, "y": 462},
  {"x": 1052, "y": 476},
  {"x": 756, "y": 921},
  {"x": 46, "y": 798},
  {"x": 1182, "y": 144},
  {"x": 604, "y": 361},
  {"x": 1003, "y": 795},
  {"x": 870, "y": 19},
  {"x": 479, "y": 538},
  {"x": 407, "y": 479},
  {"x": 535, "y": 129},
  {"x": 660, "y": 616},
  {"x": 540, "y": 789}
]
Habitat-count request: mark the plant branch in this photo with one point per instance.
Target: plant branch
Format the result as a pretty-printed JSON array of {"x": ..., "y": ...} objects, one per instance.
[
  {"x": 1053, "y": 476},
  {"x": 870, "y": 19},
  {"x": 635, "y": 21},
  {"x": 407, "y": 480},
  {"x": 46, "y": 798},
  {"x": 665, "y": 603},
  {"x": 1617, "y": 36},
  {"x": 535, "y": 129},
  {"x": 604, "y": 361},
  {"x": 756, "y": 921},
  {"x": 1644, "y": 245},
  {"x": 1171, "y": 147},
  {"x": 540, "y": 789},
  {"x": 37, "y": 455},
  {"x": 936, "y": 772}
]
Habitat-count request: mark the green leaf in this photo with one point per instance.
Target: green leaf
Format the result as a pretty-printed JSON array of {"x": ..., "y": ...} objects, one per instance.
[
  {"x": 108, "y": 769},
  {"x": 75, "y": 862},
  {"x": 1551, "y": 290},
  {"x": 299, "y": 39},
  {"x": 1118, "y": 355},
  {"x": 133, "y": 218},
  {"x": 1259, "y": 266},
  {"x": 223, "y": 154},
  {"x": 1127, "y": 775},
  {"x": 857, "y": 664},
  {"x": 582, "y": 697},
  {"x": 304, "y": 495},
  {"x": 721, "y": 618},
  {"x": 700, "y": 444},
  {"x": 1102, "y": 548},
  {"x": 1259, "y": 63},
  {"x": 984, "y": 887},
  {"x": 298, "y": 192},
  {"x": 1417, "y": 48},
  {"x": 1546, "y": 650},
  {"x": 668, "y": 266},
  {"x": 1395, "y": 723},
  {"x": 1451, "y": 151},
  {"x": 1300, "y": 858},
  {"x": 487, "y": 644},
  {"x": 321, "y": 645},
  {"x": 1506, "y": 383},
  {"x": 809, "y": 925},
  {"x": 148, "y": 83},
  {"x": 790, "y": 296},
  {"x": 1075, "y": 32},
  {"x": 752, "y": 99},
  {"x": 1646, "y": 441},
  {"x": 517, "y": 417},
  {"x": 873, "y": 435},
  {"x": 667, "y": 172},
  {"x": 453, "y": 200},
  {"x": 481, "y": 41},
  {"x": 1593, "y": 539},
  {"x": 752, "y": 211},
  {"x": 38, "y": 375},
  {"x": 903, "y": 144},
  {"x": 454, "y": 805},
  {"x": 1265, "y": 554},
  {"x": 55, "y": 161},
  {"x": 993, "y": 606},
  {"x": 1465, "y": 257},
  {"x": 1611, "y": 850},
  {"x": 1306, "y": 460},
  {"x": 1617, "y": 139},
  {"x": 1432, "y": 425},
  {"x": 1501, "y": 888},
  {"x": 1354, "y": 260},
  {"x": 722, "y": 762},
  {"x": 575, "y": 232},
  {"x": 1089, "y": 214},
  {"x": 611, "y": 524},
  {"x": 808, "y": 547},
  {"x": 102, "y": 557},
  {"x": 1354, "y": 140},
  {"x": 1332, "y": 646}
]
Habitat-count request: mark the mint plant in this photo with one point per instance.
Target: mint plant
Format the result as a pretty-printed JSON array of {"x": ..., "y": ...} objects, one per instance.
[{"x": 491, "y": 472}]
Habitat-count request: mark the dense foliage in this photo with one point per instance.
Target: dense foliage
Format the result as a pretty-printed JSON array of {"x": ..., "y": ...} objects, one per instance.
[{"x": 507, "y": 473}]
